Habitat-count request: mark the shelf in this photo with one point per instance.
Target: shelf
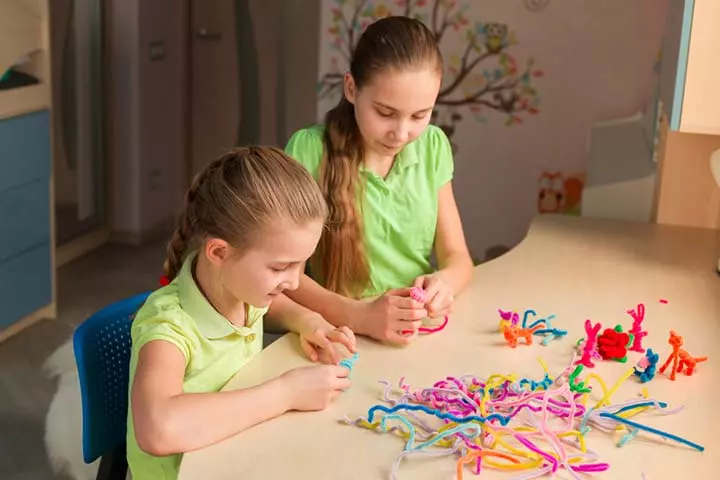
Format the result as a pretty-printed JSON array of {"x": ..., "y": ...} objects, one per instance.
[
  {"x": 21, "y": 30},
  {"x": 19, "y": 101}
]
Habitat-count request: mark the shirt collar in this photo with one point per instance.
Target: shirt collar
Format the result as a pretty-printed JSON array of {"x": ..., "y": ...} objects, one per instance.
[
  {"x": 405, "y": 158},
  {"x": 208, "y": 320}
]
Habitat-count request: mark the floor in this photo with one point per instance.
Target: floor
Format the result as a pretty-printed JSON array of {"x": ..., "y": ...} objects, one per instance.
[
  {"x": 84, "y": 286},
  {"x": 67, "y": 225}
]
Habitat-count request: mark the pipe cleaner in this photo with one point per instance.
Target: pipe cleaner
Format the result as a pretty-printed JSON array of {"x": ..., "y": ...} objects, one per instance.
[
  {"x": 647, "y": 365},
  {"x": 349, "y": 363},
  {"x": 638, "y": 333},
  {"x": 589, "y": 344},
  {"x": 418, "y": 294},
  {"x": 680, "y": 358}
]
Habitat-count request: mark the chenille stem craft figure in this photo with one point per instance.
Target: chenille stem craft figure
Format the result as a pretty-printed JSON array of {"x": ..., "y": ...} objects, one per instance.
[
  {"x": 589, "y": 344},
  {"x": 613, "y": 344},
  {"x": 646, "y": 367},
  {"x": 513, "y": 333},
  {"x": 636, "y": 330},
  {"x": 680, "y": 358}
]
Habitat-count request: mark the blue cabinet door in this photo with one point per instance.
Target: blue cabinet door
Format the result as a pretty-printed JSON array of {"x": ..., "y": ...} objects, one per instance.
[
  {"x": 24, "y": 149},
  {"x": 25, "y": 242}
]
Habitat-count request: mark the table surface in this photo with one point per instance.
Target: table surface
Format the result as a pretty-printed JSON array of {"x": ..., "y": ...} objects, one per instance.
[{"x": 576, "y": 268}]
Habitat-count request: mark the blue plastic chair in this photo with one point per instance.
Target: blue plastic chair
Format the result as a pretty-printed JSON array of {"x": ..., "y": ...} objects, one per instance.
[{"x": 102, "y": 352}]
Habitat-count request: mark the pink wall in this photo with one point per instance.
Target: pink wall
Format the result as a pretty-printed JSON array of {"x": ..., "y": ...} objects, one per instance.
[{"x": 598, "y": 62}]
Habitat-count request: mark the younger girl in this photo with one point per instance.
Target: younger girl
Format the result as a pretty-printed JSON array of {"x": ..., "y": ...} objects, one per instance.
[
  {"x": 250, "y": 222},
  {"x": 386, "y": 175}
]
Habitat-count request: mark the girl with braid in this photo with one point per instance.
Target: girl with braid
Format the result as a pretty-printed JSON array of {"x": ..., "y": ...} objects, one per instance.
[
  {"x": 251, "y": 220},
  {"x": 386, "y": 175}
]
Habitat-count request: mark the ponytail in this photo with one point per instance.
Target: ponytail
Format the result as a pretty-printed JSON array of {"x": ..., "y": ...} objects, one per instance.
[{"x": 340, "y": 254}]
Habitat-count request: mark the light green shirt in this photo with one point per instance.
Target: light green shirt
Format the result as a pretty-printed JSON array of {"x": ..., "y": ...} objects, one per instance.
[
  {"x": 214, "y": 349},
  {"x": 400, "y": 211}
]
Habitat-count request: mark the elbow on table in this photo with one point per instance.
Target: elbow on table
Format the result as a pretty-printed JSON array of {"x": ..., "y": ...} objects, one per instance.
[{"x": 155, "y": 437}]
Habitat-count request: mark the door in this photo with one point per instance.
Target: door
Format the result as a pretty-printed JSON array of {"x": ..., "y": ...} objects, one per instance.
[
  {"x": 214, "y": 92},
  {"x": 76, "y": 36},
  {"x": 234, "y": 56}
]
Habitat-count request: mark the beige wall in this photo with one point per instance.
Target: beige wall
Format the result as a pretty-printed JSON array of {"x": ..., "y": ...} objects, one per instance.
[
  {"x": 124, "y": 115},
  {"x": 162, "y": 110}
]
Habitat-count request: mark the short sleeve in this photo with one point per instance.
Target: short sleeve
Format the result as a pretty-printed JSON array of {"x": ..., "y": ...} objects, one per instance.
[
  {"x": 158, "y": 328},
  {"x": 443, "y": 155},
  {"x": 306, "y": 146}
]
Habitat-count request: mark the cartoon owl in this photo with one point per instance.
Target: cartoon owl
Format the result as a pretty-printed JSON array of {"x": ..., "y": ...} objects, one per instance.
[{"x": 495, "y": 36}]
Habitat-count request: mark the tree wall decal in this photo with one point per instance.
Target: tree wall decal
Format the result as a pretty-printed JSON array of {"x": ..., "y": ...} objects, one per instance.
[{"x": 481, "y": 77}]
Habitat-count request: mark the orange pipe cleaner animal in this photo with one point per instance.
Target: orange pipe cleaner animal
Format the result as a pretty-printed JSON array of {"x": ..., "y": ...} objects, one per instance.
[
  {"x": 513, "y": 332},
  {"x": 680, "y": 358}
]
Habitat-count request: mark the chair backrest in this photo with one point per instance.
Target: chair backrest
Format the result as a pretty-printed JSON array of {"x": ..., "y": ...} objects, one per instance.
[{"x": 102, "y": 352}]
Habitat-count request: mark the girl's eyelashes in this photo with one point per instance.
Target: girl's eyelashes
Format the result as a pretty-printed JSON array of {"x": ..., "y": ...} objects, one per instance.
[{"x": 419, "y": 116}]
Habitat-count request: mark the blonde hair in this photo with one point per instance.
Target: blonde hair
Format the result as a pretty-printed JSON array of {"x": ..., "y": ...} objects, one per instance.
[
  {"x": 392, "y": 43},
  {"x": 237, "y": 195}
]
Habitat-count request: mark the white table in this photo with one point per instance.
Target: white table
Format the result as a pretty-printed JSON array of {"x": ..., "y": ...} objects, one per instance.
[{"x": 576, "y": 268}]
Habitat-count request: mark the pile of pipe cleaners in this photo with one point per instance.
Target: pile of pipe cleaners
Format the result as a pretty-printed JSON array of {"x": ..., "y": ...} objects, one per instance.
[
  {"x": 507, "y": 423},
  {"x": 533, "y": 427}
]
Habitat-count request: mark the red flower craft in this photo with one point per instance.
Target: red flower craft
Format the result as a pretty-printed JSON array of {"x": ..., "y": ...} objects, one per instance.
[{"x": 612, "y": 345}]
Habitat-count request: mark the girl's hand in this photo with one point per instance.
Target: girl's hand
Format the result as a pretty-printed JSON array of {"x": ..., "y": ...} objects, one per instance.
[
  {"x": 318, "y": 340},
  {"x": 439, "y": 297},
  {"x": 313, "y": 388},
  {"x": 386, "y": 317}
]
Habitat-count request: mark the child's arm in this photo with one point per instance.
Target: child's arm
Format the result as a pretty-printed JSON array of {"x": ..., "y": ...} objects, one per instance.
[
  {"x": 332, "y": 306},
  {"x": 454, "y": 261},
  {"x": 383, "y": 318},
  {"x": 168, "y": 421},
  {"x": 316, "y": 334}
]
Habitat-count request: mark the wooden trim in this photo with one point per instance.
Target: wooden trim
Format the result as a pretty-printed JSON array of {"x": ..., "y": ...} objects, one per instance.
[
  {"x": 682, "y": 64},
  {"x": 81, "y": 246},
  {"x": 23, "y": 100},
  {"x": 687, "y": 193},
  {"x": 700, "y": 93},
  {"x": 46, "y": 313},
  {"x": 188, "y": 45}
]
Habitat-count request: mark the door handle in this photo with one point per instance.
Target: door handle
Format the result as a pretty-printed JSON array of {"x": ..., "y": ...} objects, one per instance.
[{"x": 206, "y": 34}]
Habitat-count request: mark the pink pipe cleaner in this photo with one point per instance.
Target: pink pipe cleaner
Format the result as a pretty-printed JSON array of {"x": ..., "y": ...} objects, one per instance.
[
  {"x": 591, "y": 332},
  {"x": 638, "y": 317}
]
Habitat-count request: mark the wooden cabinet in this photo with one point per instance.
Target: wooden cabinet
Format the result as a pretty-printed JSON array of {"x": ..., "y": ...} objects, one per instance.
[
  {"x": 691, "y": 66},
  {"x": 26, "y": 212}
]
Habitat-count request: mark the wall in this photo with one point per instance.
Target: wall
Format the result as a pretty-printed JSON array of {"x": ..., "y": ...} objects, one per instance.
[
  {"x": 593, "y": 61},
  {"x": 124, "y": 117},
  {"x": 162, "y": 111},
  {"x": 148, "y": 115}
]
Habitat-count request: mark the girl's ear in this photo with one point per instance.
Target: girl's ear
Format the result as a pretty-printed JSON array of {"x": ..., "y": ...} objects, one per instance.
[
  {"x": 349, "y": 87},
  {"x": 217, "y": 251}
]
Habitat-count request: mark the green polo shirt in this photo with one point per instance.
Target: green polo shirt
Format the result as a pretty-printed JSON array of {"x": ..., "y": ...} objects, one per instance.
[
  {"x": 214, "y": 349},
  {"x": 399, "y": 211}
]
